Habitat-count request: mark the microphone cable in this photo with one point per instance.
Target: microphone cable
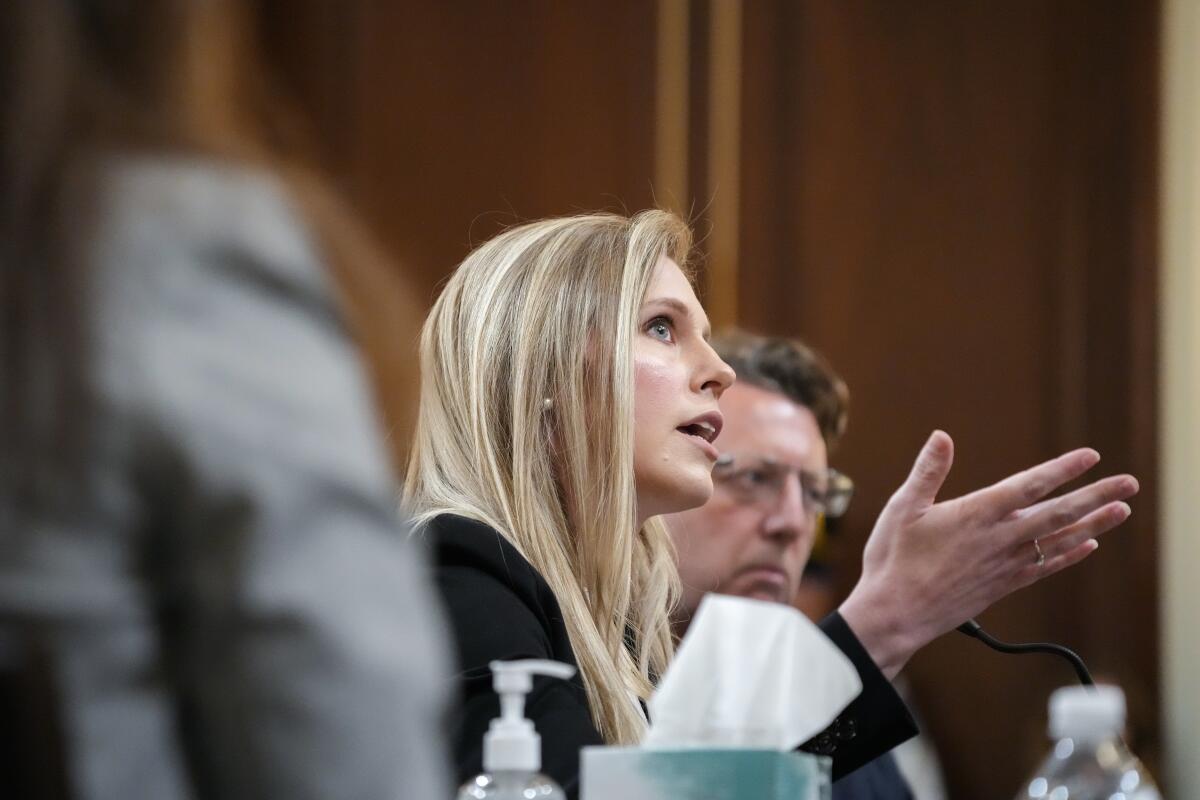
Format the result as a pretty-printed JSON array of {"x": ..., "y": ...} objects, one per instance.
[{"x": 972, "y": 628}]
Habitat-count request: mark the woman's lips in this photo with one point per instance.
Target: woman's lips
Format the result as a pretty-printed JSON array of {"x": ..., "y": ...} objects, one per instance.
[
  {"x": 707, "y": 425},
  {"x": 706, "y": 446}
]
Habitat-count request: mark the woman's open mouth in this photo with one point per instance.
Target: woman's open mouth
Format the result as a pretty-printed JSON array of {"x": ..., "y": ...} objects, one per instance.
[{"x": 703, "y": 430}]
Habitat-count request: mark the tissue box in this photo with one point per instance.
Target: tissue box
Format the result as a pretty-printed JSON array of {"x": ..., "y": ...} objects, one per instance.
[{"x": 630, "y": 773}]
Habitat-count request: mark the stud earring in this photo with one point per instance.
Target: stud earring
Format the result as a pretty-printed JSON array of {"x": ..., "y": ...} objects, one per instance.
[{"x": 547, "y": 404}]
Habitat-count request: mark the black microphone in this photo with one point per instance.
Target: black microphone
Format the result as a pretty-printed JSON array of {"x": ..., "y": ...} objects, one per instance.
[{"x": 971, "y": 628}]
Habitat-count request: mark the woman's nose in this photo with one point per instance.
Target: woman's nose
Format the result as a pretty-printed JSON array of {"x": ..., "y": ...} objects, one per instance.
[{"x": 715, "y": 375}]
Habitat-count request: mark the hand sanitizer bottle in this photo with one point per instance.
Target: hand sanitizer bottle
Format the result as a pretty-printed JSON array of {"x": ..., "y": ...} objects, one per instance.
[
  {"x": 1089, "y": 760},
  {"x": 512, "y": 749}
]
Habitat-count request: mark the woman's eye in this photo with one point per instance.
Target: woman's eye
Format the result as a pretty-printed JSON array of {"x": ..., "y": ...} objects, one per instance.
[{"x": 660, "y": 328}]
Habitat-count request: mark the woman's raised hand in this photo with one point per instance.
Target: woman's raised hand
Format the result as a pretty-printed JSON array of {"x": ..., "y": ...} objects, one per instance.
[{"x": 930, "y": 566}]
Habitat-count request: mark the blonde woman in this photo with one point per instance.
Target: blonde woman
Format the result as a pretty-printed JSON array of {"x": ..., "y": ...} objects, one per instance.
[{"x": 569, "y": 397}]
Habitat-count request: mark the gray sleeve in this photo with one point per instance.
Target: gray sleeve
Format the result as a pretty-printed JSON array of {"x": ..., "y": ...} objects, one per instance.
[{"x": 300, "y": 633}]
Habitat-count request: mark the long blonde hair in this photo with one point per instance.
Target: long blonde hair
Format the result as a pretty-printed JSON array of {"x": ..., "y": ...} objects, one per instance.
[{"x": 526, "y": 424}]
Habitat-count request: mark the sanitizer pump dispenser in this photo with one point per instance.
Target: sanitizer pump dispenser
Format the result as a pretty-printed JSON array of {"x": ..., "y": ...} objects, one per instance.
[{"x": 512, "y": 749}]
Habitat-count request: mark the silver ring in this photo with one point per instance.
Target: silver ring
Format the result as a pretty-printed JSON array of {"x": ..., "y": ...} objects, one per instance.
[{"x": 1041, "y": 557}]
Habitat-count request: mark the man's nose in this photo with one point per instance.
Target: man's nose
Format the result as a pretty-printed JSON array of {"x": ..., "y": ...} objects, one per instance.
[{"x": 788, "y": 518}]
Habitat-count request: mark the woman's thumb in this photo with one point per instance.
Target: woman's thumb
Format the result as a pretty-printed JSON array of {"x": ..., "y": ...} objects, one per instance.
[{"x": 930, "y": 470}]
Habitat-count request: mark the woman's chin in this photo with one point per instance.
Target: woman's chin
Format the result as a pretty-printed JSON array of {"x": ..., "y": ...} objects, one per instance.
[
  {"x": 686, "y": 495},
  {"x": 668, "y": 486}
]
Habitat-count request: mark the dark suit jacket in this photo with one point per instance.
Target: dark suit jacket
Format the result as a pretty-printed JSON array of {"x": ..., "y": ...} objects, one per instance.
[{"x": 501, "y": 608}]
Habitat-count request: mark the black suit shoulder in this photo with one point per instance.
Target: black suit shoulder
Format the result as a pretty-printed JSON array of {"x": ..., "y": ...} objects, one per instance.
[{"x": 474, "y": 561}]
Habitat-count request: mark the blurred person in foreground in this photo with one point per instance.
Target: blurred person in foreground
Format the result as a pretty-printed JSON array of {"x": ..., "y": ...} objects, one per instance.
[
  {"x": 197, "y": 523},
  {"x": 772, "y": 490}
]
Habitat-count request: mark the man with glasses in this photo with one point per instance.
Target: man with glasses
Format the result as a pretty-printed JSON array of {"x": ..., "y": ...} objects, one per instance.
[{"x": 773, "y": 489}]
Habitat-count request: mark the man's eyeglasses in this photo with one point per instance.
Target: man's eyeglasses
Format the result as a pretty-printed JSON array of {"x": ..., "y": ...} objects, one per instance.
[{"x": 760, "y": 482}]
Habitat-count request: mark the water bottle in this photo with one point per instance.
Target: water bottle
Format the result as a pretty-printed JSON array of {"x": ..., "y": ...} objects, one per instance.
[{"x": 1089, "y": 760}]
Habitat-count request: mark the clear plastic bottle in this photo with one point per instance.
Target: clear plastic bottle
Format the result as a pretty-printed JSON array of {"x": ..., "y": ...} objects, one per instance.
[
  {"x": 512, "y": 749},
  {"x": 514, "y": 784},
  {"x": 1089, "y": 760}
]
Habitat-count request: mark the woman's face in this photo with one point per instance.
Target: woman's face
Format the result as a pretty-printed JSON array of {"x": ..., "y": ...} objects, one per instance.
[{"x": 677, "y": 380}]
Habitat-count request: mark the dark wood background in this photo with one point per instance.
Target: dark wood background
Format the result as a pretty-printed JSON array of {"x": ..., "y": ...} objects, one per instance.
[{"x": 955, "y": 201}]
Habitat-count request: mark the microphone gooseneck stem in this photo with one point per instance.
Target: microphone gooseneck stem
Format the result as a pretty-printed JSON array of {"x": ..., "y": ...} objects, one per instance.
[{"x": 971, "y": 628}]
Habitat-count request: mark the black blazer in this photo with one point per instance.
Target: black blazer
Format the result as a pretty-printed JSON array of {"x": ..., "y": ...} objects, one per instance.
[{"x": 501, "y": 608}]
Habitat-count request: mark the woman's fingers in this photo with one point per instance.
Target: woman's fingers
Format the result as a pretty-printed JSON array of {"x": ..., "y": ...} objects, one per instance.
[
  {"x": 1034, "y": 573},
  {"x": 1093, "y": 526},
  {"x": 1060, "y": 513},
  {"x": 1071, "y": 544},
  {"x": 929, "y": 470},
  {"x": 1026, "y": 488}
]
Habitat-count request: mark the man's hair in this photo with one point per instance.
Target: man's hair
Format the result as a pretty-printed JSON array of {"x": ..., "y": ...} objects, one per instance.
[{"x": 794, "y": 370}]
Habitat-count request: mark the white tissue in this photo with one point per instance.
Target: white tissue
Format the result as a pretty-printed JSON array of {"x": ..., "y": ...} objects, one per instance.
[{"x": 750, "y": 674}]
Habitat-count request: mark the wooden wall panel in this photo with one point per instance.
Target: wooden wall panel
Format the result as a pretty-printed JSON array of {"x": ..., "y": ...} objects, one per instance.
[
  {"x": 470, "y": 116},
  {"x": 955, "y": 202},
  {"x": 446, "y": 121}
]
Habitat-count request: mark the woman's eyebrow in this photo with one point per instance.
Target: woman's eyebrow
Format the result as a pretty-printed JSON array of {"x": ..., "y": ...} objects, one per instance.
[{"x": 681, "y": 309}]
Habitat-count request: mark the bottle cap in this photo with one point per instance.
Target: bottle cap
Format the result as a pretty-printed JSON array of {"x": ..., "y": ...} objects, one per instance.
[{"x": 1087, "y": 712}]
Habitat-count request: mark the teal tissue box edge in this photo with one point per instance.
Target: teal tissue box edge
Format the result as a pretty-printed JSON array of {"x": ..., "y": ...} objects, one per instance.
[{"x": 631, "y": 773}]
